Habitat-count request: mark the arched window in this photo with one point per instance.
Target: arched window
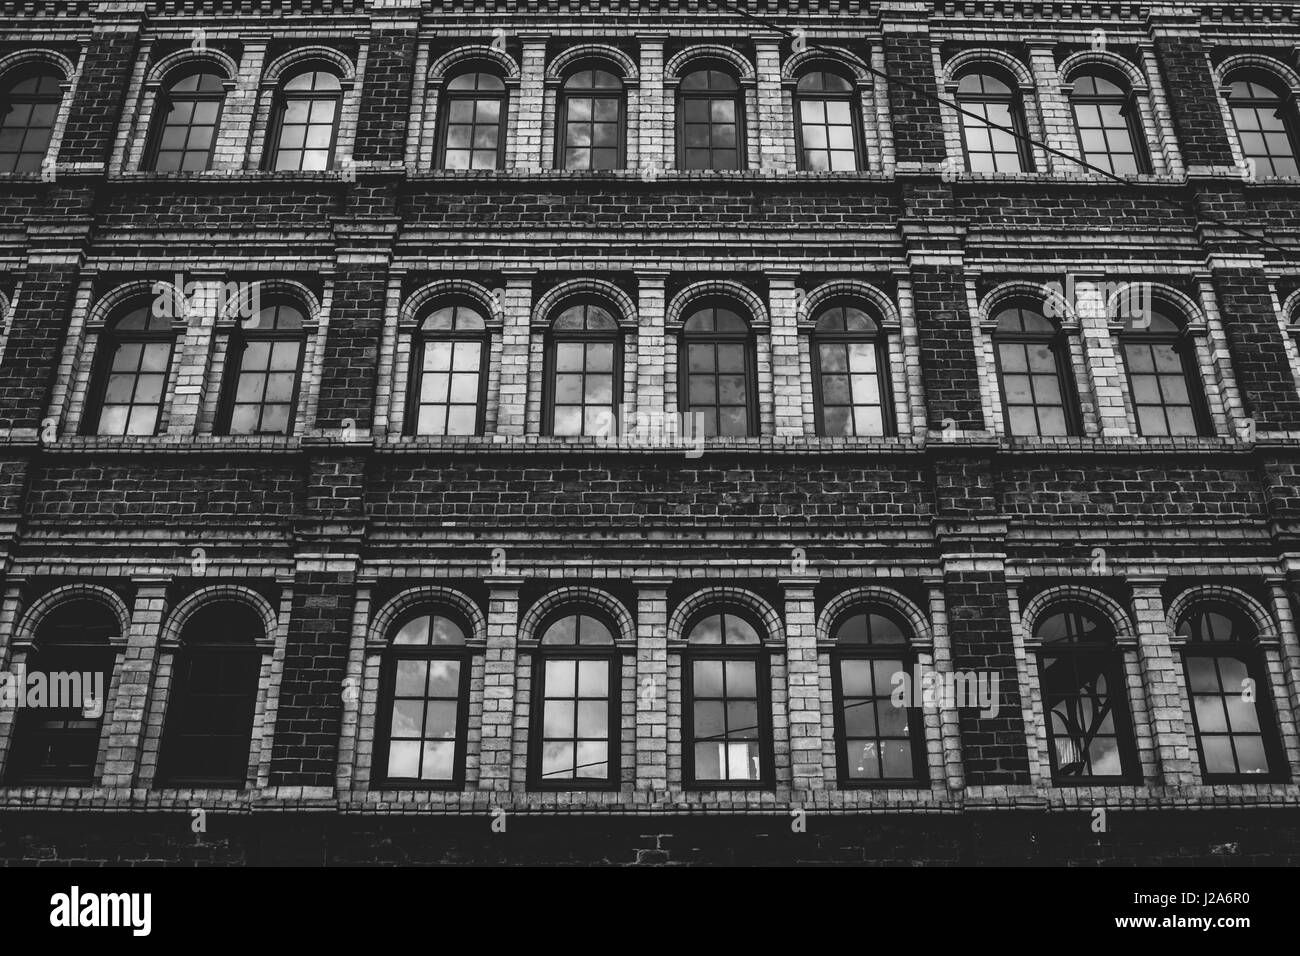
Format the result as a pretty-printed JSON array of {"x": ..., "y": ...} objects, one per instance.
[
  {"x": 473, "y": 122},
  {"x": 185, "y": 122},
  {"x": 592, "y": 108},
  {"x": 710, "y": 114},
  {"x": 1230, "y": 695},
  {"x": 1107, "y": 120},
  {"x": 1266, "y": 123},
  {"x": 1163, "y": 379},
  {"x": 1090, "y": 736},
  {"x": 265, "y": 360},
  {"x": 422, "y": 716},
  {"x": 134, "y": 358},
  {"x": 586, "y": 380},
  {"x": 307, "y": 119},
  {"x": 851, "y": 371},
  {"x": 726, "y": 702},
  {"x": 994, "y": 100},
  {"x": 209, "y": 723},
  {"x": 30, "y": 102},
  {"x": 576, "y": 718},
  {"x": 449, "y": 372},
  {"x": 879, "y": 719},
  {"x": 826, "y": 105},
  {"x": 715, "y": 363},
  {"x": 56, "y": 737},
  {"x": 1031, "y": 351}
]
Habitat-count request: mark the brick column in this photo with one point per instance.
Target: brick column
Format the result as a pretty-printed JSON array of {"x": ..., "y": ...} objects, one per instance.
[
  {"x": 652, "y": 684},
  {"x": 1193, "y": 101},
  {"x": 947, "y": 341},
  {"x": 775, "y": 122},
  {"x": 236, "y": 133},
  {"x": 499, "y": 684},
  {"x": 108, "y": 58},
  {"x": 787, "y": 384},
  {"x": 1160, "y": 680},
  {"x": 526, "y": 145},
  {"x": 192, "y": 363},
  {"x": 803, "y": 684},
  {"x": 516, "y": 336},
  {"x": 386, "y": 97},
  {"x": 1099, "y": 353},
  {"x": 918, "y": 138},
  {"x": 1058, "y": 123},
  {"x": 651, "y": 114},
  {"x": 126, "y": 733},
  {"x": 650, "y": 345}
]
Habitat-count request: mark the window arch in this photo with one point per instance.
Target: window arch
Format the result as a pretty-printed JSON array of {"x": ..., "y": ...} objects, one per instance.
[
  {"x": 265, "y": 363},
  {"x": 710, "y": 118},
  {"x": 851, "y": 370},
  {"x": 716, "y": 368},
  {"x": 60, "y": 744},
  {"x": 1037, "y": 394},
  {"x": 880, "y": 739},
  {"x": 210, "y": 713},
  {"x": 30, "y": 103},
  {"x": 134, "y": 357},
  {"x": 1264, "y": 112},
  {"x": 308, "y": 104},
  {"x": 1229, "y": 692},
  {"x": 585, "y": 383},
  {"x": 726, "y": 701},
  {"x": 472, "y": 128},
  {"x": 186, "y": 118},
  {"x": 593, "y": 119},
  {"x": 994, "y": 99},
  {"x": 574, "y": 733},
  {"x": 826, "y": 110},
  {"x": 1081, "y": 673},
  {"x": 423, "y": 708},
  {"x": 1107, "y": 121},
  {"x": 1163, "y": 376},
  {"x": 449, "y": 370}
]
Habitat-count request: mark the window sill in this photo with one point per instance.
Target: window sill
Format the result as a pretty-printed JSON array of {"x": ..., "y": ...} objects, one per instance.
[
  {"x": 641, "y": 175},
  {"x": 169, "y": 443},
  {"x": 1121, "y": 444}
]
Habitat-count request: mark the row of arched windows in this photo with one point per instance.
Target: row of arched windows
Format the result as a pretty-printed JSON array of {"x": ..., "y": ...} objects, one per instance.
[
  {"x": 578, "y": 695},
  {"x": 592, "y": 117}
]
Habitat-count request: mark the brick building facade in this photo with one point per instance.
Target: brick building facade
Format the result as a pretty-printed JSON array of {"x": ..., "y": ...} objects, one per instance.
[{"x": 318, "y": 316}]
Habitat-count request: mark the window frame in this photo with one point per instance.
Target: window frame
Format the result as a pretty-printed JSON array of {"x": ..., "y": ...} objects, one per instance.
[
  {"x": 446, "y": 96},
  {"x": 1059, "y": 343},
  {"x": 415, "y": 376},
  {"x": 761, "y": 655},
  {"x": 879, "y": 341},
  {"x": 747, "y": 339},
  {"x": 854, "y": 101},
  {"x": 102, "y": 371},
  {"x": 236, "y": 346},
  {"x": 280, "y": 107},
  {"x": 610, "y": 653},
  {"x": 1184, "y": 346},
  {"x": 1287, "y": 106},
  {"x": 383, "y": 726},
  {"x": 738, "y": 102},
  {"x": 162, "y": 105},
  {"x": 562, "y": 114},
  {"x": 584, "y": 337},
  {"x": 1129, "y": 110},
  {"x": 1015, "y": 102}
]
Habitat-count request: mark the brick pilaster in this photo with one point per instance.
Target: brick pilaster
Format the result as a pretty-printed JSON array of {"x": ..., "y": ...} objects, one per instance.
[
  {"x": 1160, "y": 680},
  {"x": 135, "y": 684},
  {"x": 775, "y": 123},
  {"x": 652, "y": 684},
  {"x": 516, "y": 338},
  {"x": 803, "y": 684},
  {"x": 495, "y": 750},
  {"x": 787, "y": 383}
]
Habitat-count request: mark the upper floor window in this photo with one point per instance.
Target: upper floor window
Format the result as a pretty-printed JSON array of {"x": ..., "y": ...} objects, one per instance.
[
  {"x": 134, "y": 359},
  {"x": 826, "y": 104},
  {"x": 1266, "y": 123},
  {"x": 307, "y": 118},
  {"x": 449, "y": 371},
  {"x": 726, "y": 702},
  {"x": 473, "y": 122},
  {"x": 1032, "y": 372},
  {"x": 592, "y": 106},
  {"x": 185, "y": 123},
  {"x": 421, "y": 726},
  {"x": 994, "y": 101},
  {"x": 1108, "y": 124},
  {"x": 59, "y": 744},
  {"x": 1230, "y": 691},
  {"x": 851, "y": 371},
  {"x": 878, "y": 740},
  {"x": 1090, "y": 736},
  {"x": 575, "y": 721},
  {"x": 31, "y": 105},
  {"x": 265, "y": 360},
  {"x": 716, "y": 370},
  {"x": 710, "y": 111},
  {"x": 1163, "y": 378},
  {"x": 586, "y": 359},
  {"x": 209, "y": 722}
]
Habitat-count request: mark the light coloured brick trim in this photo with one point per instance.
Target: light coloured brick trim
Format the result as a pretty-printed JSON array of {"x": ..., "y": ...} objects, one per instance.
[
  {"x": 651, "y": 343},
  {"x": 145, "y": 98},
  {"x": 652, "y": 687},
  {"x": 1288, "y": 313},
  {"x": 803, "y": 687},
  {"x": 515, "y": 354},
  {"x": 1148, "y": 123},
  {"x": 1288, "y": 678},
  {"x": 351, "y": 79},
  {"x": 1161, "y": 115},
  {"x": 1109, "y": 384},
  {"x": 1227, "y": 410},
  {"x": 524, "y": 147},
  {"x": 775, "y": 131},
  {"x": 787, "y": 382},
  {"x": 648, "y": 112},
  {"x": 499, "y": 691},
  {"x": 946, "y": 74},
  {"x": 1162, "y": 682}
]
